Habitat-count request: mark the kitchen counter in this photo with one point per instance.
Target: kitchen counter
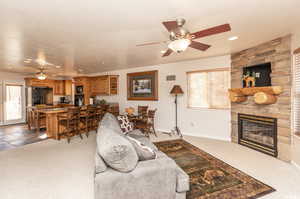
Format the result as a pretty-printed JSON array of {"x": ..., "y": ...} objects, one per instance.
[
  {"x": 48, "y": 117},
  {"x": 52, "y": 110}
]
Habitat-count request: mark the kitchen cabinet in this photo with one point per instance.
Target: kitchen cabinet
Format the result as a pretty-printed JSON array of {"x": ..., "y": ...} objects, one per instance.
[
  {"x": 59, "y": 87},
  {"x": 68, "y": 87},
  {"x": 104, "y": 85},
  {"x": 62, "y": 87},
  {"x": 113, "y": 84},
  {"x": 83, "y": 82},
  {"x": 34, "y": 82}
]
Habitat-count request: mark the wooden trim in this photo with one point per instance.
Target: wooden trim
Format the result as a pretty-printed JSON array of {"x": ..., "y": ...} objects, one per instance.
[
  {"x": 297, "y": 51},
  {"x": 209, "y": 70},
  {"x": 155, "y": 94}
]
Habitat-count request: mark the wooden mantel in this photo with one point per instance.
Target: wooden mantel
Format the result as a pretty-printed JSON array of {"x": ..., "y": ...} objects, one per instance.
[{"x": 262, "y": 95}]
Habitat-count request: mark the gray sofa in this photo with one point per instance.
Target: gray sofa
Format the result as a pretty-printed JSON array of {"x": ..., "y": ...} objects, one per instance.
[{"x": 159, "y": 178}]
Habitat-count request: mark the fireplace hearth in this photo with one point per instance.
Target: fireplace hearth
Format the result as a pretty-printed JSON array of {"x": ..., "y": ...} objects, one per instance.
[{"x": 258, "y": 132}]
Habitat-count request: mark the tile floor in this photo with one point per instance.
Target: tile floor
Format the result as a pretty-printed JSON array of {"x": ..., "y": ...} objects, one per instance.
[{"x": 12, "y": 136}]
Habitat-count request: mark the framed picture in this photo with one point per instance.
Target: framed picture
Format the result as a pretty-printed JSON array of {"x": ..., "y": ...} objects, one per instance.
[{"x": 142, "y": 85}]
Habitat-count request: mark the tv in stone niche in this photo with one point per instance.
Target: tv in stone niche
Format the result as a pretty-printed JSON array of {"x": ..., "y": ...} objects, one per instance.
[{"x": 257, "y": 75}]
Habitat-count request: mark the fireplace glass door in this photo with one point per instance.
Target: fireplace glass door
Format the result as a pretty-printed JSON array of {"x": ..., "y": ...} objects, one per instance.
[{"x": 259, "y": 133}]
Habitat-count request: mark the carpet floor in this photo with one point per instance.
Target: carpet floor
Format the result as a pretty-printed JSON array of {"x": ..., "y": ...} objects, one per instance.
[
  {"x": 49, "y": 170},
  {"x": 53, "y": 169},
  {"x": 211, "y": 178}
]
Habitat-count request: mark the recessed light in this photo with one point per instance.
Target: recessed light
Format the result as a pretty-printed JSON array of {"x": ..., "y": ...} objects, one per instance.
[
  {"x": 233, "y": 38},
  {"x": 163, "y": 51}
]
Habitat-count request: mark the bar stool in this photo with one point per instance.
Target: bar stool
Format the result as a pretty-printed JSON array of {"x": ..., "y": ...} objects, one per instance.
[
  {"x": 99, "y": 115},
  {"x": 84, "y": 121},
  {"x": 40, "y": 120},
  {"x": 91, "y": 118},
  {"x": 70, "y": 122}
]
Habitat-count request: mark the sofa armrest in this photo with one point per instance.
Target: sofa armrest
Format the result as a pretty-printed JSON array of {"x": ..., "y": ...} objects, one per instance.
[
  {"x": 151, "y": 179},
  {"x": 183, "y": 181}
]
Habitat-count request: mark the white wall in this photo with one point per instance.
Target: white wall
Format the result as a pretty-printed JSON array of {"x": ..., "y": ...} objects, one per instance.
[{"x": 204, "y": 122}]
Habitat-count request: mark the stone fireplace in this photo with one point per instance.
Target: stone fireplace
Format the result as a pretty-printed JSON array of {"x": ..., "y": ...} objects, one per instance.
[
  {"x": 278, "y": 53},
  {"x": 259, "y": 133}
]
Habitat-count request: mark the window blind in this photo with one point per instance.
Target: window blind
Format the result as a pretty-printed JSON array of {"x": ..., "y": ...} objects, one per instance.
[
  {"x": 296, "y": 105},
  {"x": 209, "y": 89}
]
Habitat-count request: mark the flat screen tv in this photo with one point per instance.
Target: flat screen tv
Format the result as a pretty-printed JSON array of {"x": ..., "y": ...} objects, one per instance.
[{"x": 261, "y": 72}]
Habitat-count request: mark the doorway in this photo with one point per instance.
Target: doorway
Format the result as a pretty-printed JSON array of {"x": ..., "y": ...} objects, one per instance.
[{"x": 12, "y": 103}]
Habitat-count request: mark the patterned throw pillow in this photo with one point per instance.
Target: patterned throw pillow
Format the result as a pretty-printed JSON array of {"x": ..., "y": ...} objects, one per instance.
[{"x": 125, "y": 124}]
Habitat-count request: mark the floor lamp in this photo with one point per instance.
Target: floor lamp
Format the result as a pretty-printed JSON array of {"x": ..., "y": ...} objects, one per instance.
[{"x": 176, "y": 90}]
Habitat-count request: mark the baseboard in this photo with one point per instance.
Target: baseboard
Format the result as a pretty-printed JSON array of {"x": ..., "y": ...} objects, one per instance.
[
  {"x": 203, "y": 136},
  {"x": 295, "y": 164}
]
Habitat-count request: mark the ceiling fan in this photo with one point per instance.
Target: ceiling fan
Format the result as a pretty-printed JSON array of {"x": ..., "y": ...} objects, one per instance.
[
  {"x": 181, "y": 38},
  {"x": 42, "y": 65},
  {"x": 41, "y": 75}
]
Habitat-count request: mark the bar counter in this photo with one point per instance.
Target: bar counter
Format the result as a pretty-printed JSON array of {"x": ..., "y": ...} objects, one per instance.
[
  {"x": 47, "y": 117},
  {"x": 52, "y": 125}
]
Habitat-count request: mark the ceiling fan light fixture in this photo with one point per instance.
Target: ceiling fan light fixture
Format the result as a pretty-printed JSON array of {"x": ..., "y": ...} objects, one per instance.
[
  {"x": 179, "y": 45},
  {"x": 41, "y": 75},
  {"x": 233, "y": 38}
]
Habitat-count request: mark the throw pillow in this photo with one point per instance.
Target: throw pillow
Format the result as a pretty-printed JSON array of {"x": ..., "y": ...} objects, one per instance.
[
  {"x": 110, "y": 121},
  {"x": 116, "y": 150},
  {"x": 125, "y": 124},
  {"x": 100, "y": 165},
  {"x": 144, "y": 152}
]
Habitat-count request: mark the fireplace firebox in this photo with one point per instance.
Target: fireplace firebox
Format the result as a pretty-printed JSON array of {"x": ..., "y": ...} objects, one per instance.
[{"x": 258, "y": 132}]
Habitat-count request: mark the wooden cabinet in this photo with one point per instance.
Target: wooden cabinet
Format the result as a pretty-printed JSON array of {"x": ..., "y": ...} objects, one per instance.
[
  {"x": 99, "y": 85},
  {"x": 59, "y": 87},
  {"x": 39, "y": 83},
  {"x": 81, "y": 80},
  {"x": 114, "y": 84},
  {"x": 68, "y": 87},
  {"x": 104, "y": 85},
  {"x": 85, "y": 83}
]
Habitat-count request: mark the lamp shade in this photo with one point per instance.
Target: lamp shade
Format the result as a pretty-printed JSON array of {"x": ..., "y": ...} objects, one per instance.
[{"x": 176, "y": 90}]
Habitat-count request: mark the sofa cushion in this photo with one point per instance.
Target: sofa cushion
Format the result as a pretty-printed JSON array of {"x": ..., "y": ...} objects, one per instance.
[
  {"x": 100, "y": 165},
  {"x": 151, "y": 179},
  {"x": 136, "y": 133},
  {"x": 125, "y": 124},
  {"x": 111, "y": 122},
  {"x": 143, "y": 139},
  {"x": 116, "y": 150},
  {"x": 144, "y": 152}
]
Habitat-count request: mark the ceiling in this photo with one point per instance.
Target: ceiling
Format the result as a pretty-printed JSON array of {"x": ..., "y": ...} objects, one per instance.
[{"x": 88, "y": 36}]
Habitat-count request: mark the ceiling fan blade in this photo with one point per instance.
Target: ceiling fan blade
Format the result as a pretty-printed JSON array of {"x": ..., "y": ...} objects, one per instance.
[
  {"x": 170, "y": 25},
  {"x": 151, "y": 43},
  {"x": 199, "y": 46},
  {"x": 212, "y": 31},
  {"x": 167, "y": 53}
]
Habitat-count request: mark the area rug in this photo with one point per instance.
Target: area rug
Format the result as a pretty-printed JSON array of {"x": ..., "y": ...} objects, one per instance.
[{"x": 211, "y": 178}]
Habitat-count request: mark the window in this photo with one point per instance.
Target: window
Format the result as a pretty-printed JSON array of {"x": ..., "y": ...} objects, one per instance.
[
  {"x": 296, "y": 94},
  {"x": 209, "y": 89}
]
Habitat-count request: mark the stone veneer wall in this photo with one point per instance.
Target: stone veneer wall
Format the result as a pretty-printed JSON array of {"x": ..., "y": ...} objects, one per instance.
[{"x": 278, "y": 52}]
